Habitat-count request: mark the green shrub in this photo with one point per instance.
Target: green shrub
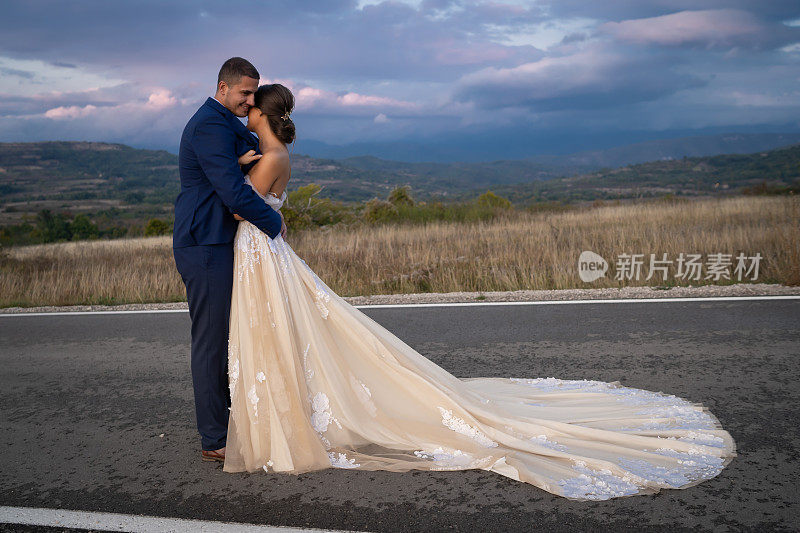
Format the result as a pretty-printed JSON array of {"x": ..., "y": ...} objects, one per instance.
[
  {"x": 82, "y": 228},
  {"x": 490, "y": 199},
  {"x": 305, "y": 209},
  {"x": 377, "y": 211},
  {"x": 156, "y": 226},
  {"x": 401, "y": 196},
  {"x": 52, "y": 228}
]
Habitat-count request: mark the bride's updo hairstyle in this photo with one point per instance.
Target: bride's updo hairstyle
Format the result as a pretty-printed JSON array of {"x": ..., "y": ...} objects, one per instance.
[{"x": 276, "y": 102}]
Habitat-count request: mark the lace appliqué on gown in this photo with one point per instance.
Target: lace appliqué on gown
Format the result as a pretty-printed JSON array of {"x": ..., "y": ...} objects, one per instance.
[{"x": 460, "y": 426}]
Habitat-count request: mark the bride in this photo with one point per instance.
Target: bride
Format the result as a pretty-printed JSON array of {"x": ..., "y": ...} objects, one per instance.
[{"x": 315, "y": 383}]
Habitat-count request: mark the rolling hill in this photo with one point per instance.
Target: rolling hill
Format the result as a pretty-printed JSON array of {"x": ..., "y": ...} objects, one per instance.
[
  {"x": 774, "y": 171},
  {"x": 120, "y": 181}
]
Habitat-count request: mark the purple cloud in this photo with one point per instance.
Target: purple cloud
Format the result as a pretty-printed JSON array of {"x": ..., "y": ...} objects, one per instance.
[{"x": 585, "y": 79}]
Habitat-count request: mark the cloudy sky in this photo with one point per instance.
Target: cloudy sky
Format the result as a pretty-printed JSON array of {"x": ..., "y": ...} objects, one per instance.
[{"x": 496, "y": 78}]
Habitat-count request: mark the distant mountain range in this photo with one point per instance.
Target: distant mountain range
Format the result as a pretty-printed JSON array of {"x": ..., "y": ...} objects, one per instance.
[
  {"x": 89, "y": 177},
  {"x": 670, "y": 149},
  {"x": 362, "y": 177},
  {"x": 607, "y": 150},
  {"x": 771, "y": 171}
]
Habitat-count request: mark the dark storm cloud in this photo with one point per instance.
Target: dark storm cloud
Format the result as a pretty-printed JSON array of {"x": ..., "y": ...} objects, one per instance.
[
  {"x": 708, "y": 29},
  {"x": 390, "y": 40},
  {"x": 622, "y": 64},
  {"x": 623, "y": 9},
  {"x": 24, "y": 74},
  {"x": 588, "y": 79}
]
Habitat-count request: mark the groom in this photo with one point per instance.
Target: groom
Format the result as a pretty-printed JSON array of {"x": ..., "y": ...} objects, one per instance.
[{"x": 212, "y": 190}]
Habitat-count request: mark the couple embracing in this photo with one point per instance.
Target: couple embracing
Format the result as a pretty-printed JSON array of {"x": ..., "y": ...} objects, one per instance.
[
  {"x": 288, "y": 377},
  {"x": 215, "y": 149}
]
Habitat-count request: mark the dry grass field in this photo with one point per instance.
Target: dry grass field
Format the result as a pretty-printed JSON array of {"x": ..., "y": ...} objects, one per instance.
[{"x": 520, "y": 250}]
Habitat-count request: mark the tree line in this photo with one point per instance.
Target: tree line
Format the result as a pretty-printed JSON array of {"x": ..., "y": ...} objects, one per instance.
[
  {"x": 304, "y": 209},
  {"x": 48, "y": 227}
]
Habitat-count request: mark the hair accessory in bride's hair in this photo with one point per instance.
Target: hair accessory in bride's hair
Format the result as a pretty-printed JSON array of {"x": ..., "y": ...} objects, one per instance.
[{"x": 285, "y": 116}]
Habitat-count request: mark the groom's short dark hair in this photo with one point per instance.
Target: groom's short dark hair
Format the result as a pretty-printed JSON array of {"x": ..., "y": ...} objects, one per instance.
[{"x": 233, "y": 69}]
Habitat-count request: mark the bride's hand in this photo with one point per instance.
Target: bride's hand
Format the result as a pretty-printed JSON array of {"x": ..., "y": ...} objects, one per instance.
[
  {"x": 248, "y": 157},
  {"x": 237, "y": 217}
]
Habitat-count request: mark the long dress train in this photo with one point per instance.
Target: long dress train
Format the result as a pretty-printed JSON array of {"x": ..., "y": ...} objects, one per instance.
[{"x": 315, "y": 383}]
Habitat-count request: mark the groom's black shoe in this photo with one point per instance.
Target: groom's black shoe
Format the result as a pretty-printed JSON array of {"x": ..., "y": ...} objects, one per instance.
[{"x": 213, "y": 455}]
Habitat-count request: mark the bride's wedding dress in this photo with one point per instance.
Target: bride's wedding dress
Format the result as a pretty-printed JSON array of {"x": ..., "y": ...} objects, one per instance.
[{"x": 315, "y": 383}]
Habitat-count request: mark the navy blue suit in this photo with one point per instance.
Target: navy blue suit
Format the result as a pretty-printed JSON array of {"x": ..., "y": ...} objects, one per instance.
[{"x": 212, "y": 189}]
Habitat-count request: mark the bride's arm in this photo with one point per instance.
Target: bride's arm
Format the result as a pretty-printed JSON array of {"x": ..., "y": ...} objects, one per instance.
[
  {"x": 245, "y": 161},
  {"x": 267, "y": 170},
  {"x": 248, "y": 157}
]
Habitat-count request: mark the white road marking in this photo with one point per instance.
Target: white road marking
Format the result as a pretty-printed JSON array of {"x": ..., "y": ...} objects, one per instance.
[
  {"x": 133, "y": 523},
  {"x": 80, "y": 313},
  {"x": 445, "y": 304},
  {"x": 608, "y": 301}
]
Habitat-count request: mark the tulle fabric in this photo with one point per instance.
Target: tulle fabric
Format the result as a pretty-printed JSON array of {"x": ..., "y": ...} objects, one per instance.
[{"x": 315, "y": 383}]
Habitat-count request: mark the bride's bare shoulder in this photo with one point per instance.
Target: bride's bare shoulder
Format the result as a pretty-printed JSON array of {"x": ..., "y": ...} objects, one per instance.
[
  {"x": 277, "y": 156},
  {"x": 273, "y": 163}
]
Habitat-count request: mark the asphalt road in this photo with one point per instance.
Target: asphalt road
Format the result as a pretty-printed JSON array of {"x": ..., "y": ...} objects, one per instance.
[{"x": 85, "y": 398}]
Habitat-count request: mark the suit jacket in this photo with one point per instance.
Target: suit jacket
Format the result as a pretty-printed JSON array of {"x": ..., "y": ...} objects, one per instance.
[{"x": 212, "y": 184}]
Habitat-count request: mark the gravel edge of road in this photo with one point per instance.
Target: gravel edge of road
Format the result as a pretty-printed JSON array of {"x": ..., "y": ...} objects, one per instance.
[{"x": 703, "y": 291}]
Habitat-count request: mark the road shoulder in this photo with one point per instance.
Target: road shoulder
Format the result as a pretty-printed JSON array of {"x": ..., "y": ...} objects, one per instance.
[{"x": 704, "y": 291}]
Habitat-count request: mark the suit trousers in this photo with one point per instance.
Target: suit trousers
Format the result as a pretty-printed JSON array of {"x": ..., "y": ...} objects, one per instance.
[{"x": 207, "y": 272}]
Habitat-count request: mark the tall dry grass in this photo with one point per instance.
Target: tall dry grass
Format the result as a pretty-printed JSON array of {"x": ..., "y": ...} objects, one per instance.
[
  {"x": 90, "y": 272},
  {"x": 519, "y": 250}
]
